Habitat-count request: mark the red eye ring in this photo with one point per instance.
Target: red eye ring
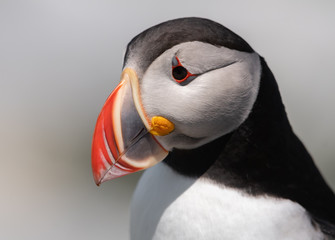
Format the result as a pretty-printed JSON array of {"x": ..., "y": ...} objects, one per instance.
[{"x": 179, "y": 73}]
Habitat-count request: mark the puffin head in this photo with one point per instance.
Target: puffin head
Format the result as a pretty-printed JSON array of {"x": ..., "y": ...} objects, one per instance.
[{"x": 185, "y": 83}]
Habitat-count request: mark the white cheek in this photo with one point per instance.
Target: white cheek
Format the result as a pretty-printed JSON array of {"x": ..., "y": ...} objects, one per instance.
[{"x": 213, "y": 104}]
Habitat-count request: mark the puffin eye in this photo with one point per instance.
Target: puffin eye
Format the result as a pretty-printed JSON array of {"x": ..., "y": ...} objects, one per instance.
[{"x": 179, "y": 73}]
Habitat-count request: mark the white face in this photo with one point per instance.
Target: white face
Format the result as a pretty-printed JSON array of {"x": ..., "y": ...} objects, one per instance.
[{"x": 213, "y": 104}]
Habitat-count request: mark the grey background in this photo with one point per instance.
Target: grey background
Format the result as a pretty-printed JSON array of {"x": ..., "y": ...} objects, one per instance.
[{"x": 59, "y": 60}]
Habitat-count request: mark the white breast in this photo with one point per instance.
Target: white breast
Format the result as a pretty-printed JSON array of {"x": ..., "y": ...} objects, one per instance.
[{"x": 167, "y": 205}]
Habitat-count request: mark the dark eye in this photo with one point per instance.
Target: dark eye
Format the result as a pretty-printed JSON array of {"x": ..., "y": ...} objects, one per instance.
[{"x": 179, "y": 73}]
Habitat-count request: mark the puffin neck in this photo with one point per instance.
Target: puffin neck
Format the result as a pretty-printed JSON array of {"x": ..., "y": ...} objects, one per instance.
[
  {"x": 195, "y": 162},
  {"x": 260, "y": 149}
]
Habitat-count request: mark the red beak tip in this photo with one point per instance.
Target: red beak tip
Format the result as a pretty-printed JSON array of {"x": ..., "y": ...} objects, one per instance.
[{"x": 97, "y": 180}]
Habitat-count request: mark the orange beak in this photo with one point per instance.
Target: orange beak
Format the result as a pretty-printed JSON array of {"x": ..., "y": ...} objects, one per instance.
[{"x": 122, "y": 140}]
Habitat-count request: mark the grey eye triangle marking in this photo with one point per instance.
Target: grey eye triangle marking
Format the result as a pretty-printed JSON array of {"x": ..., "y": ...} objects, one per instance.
[
  {"x": 187, "y": 81},
  {"x": 174, "y": 61}
]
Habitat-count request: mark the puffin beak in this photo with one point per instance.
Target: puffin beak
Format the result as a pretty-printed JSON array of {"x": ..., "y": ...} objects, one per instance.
[{"x": 123, "y": 140}]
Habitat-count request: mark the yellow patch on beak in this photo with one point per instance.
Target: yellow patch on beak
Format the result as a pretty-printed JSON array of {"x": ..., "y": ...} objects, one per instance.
[{"x": 161, "y": 126}]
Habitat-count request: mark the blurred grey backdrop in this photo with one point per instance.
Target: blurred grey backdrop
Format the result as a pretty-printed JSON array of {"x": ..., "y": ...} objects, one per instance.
[{"x": 59, "y": 60}]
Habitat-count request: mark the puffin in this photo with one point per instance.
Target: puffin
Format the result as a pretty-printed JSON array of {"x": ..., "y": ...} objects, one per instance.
[{"x": 201, "y": 111}]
